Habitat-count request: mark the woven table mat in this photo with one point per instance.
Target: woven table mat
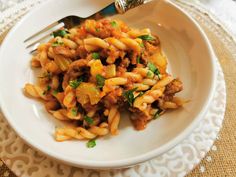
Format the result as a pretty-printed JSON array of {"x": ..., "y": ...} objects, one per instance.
[{"x": 221, "y": 160}]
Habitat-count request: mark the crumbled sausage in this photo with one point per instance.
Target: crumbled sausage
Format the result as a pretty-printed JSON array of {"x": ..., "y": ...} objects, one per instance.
[{"x": 174, "y": 87}]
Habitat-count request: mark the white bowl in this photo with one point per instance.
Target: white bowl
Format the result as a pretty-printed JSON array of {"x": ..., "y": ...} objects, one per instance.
[{"x": 190, "y": 58}]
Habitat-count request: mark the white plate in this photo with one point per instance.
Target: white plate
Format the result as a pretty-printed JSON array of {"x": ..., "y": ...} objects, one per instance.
[
  {"x": 190, "y": 58},
  {"x": 178, "y": 161}
]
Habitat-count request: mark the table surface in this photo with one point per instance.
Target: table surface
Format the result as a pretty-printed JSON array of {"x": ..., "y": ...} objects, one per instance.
[{"x": 224, "y": 10}]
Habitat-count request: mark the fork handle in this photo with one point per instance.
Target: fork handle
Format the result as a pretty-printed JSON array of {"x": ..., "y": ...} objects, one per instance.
[
  {"x": 121, "y": 6},
  {"x": 124, "y": 5}
]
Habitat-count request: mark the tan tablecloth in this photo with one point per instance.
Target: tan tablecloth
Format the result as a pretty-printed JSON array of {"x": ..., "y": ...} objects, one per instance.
[
  {"x": 222, "y": 161},
  {"x": 224, "y": 158}
]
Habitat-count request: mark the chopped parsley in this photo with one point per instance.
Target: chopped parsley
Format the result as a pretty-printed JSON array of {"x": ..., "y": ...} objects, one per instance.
[
  {"x": 60, "y": 33},
  {"x": 47, "y": 89},
  {"x": 75, "y": 83},
  {"x": 146, "y": 37},
  {"x": 154, "y": 69},
  {"x": 74, "y": 111},
  {"x": 129, "y": 95},
  {"x": 141, "y": 45},
  {"x": 138, "y": 59},
  {"x": 100, "y": 80},
  {"x": 149, "y": 74},
  {"x": 55, "y": 92},
  {"x": 91, "y": 143},
  {"x": 88, "y": 119},
  {"x": 113, "y": 24},
  {"x": 157, "y": 114},
  {"x": 97, "y": 29},
  {"x": 57, "y": 43},
  {"x": 95, "y": 55}
]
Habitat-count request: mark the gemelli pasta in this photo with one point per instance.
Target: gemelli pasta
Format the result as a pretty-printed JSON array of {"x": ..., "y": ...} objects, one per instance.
[{"x": 89, "y": 73}]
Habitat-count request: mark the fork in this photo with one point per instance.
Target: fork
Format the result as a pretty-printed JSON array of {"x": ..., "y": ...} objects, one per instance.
[{"x": 117, "y": 7}]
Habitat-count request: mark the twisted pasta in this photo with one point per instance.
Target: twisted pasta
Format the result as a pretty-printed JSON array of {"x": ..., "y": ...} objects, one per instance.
[
  {"x": 70, "y": 98},
  {"x": 113, "y": 120},
  {"x": 97, "y": 42},
  {"x": 62, "y": 134},
  {"x": 148, "y": 98},
  {"x": 88, "y": 73},
  {"x": 36, "y": 92}
]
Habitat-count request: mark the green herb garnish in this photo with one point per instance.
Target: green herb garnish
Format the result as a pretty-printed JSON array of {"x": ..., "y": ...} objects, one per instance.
[
  {"x": 74, "y": 111},
  {"x": 129, "y": 95},
  {"x": 149, "y": 74},
  {"x": 91, "y": 143},
  {"x": 60, "y": 33},
  {"x": 75, "y": 83},
  {"x": 157, "y": 114},
  {"x": 100, "y": 80},
  {"x": 141, "y": 45},
  {"x": 154, "y": 69},
  {"x": 88, "y": 119},
  {"x": 95, "y": 55},
  {"x": 47, "y": 89},
  {"x": 97, "y": 29},
  {"x": 138, "y": 59},
  {"x": 146, "y": 37},
  {"x": 54, "y": 92},
  {"x": 57, "y": 43},
  {"x": 113, "y": 24}
]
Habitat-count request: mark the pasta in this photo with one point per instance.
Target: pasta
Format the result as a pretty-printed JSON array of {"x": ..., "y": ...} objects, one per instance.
[{"x": 92, "y": 71}]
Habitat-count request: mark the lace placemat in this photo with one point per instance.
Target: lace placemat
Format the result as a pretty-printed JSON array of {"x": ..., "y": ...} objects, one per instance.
[
  {"x": 225, "y": 49},
  {"x": 221, "y": 160}
]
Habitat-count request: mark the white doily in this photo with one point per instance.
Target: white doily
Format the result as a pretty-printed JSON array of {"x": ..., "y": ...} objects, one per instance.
[
  {"x": 11, "y": 15},
  {"x": 26, "y": 162}
]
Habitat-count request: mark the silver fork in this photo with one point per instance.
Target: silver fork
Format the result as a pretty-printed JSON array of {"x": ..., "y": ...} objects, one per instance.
[{"x": 117, "y": 7}]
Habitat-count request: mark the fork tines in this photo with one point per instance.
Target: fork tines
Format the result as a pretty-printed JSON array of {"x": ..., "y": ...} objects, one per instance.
[{"x": 33, "y": 41}]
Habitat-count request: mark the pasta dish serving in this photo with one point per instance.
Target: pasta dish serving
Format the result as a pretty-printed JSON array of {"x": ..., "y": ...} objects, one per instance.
[{"x": 89, "y": 73}]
